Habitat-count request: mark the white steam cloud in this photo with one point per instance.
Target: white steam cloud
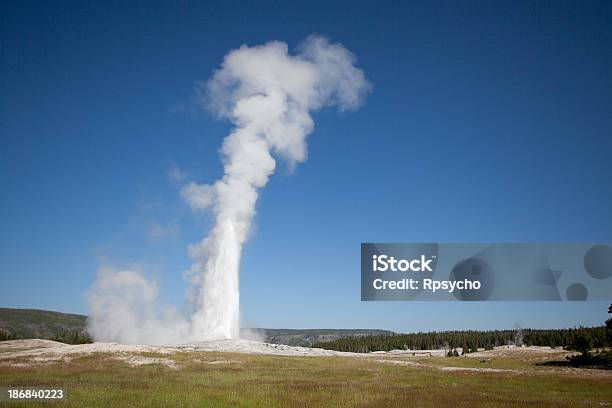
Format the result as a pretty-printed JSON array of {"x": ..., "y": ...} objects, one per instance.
[{"x": 268, "y": 94}]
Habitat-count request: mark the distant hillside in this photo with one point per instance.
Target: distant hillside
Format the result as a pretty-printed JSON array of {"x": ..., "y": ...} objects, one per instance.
[
  {"x": 40, "y": 324},
  {"x": 44, "y": 324},
  {"x": 308, "y": 337}
]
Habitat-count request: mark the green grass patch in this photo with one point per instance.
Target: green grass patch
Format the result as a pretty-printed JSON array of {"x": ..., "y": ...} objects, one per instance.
[{"x": 239, "y": 380}]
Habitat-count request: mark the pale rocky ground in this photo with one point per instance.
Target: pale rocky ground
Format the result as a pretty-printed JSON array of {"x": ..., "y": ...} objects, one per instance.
[
  {"x": 12, "y": 345},
  {"x": 41, "y": 348},
  {"x": 509, "y": 351},
  {"x": 39, "y": 352},
  {"x": 35, "y": 352},
  {"x": 444, "y": 368},
  {"x": 26, "y": 353}
]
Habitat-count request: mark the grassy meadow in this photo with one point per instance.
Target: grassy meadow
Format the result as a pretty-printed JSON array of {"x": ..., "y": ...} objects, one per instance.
[{"x": 228, "y": 380}]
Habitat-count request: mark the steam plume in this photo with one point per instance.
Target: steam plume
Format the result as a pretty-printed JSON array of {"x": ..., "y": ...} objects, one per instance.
[{"x": 268, "y": 94}]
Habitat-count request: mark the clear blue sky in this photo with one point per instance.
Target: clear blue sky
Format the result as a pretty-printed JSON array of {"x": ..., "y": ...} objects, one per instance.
[{"x": 488, "y": 122}]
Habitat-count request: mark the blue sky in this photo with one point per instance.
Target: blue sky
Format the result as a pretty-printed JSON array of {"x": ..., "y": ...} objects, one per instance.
[{"x": 488, "y": 122}]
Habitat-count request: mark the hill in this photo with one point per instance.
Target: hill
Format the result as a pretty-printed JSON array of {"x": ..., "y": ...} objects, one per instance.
[
  {"x": 40, "y": 324},
  {"x": 308, "y": 337}
]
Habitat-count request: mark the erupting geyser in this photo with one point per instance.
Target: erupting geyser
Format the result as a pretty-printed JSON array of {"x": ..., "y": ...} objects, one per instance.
[{"x": 268, "y": 95}]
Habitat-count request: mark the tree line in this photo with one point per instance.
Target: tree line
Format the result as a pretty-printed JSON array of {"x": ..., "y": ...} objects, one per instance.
[
  {"x": 68, "y": 336},
  {"x": 469, "y": 340}
]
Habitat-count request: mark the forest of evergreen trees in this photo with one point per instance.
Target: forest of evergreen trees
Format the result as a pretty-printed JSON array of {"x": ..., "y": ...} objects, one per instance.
[{"x": 469, "y": 339}]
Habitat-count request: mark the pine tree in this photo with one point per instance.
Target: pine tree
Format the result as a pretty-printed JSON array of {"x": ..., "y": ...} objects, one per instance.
[
  {"x": 609, "y": 326},
  {"x": 583, "y": 342}
]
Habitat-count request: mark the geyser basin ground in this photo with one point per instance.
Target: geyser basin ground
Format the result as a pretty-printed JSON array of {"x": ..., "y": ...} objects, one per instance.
[{"x": 245, "y": 373}]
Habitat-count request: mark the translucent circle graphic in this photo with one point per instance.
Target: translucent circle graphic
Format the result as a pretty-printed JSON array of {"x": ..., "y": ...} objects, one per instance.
[
  {"x": 598, "y": 261},
  {"x": 577, "y": 291},
  {"x": 474, "y": 269}
]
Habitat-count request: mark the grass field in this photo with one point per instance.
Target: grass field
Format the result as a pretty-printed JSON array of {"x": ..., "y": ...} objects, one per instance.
[{"x": 223, "y": 379}]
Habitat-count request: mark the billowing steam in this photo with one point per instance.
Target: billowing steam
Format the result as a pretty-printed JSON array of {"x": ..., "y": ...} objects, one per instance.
[{"x": 268, "y": 94}]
